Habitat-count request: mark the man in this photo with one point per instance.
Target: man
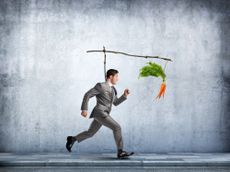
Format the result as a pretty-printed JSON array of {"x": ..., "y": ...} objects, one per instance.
[{"x": 106, "y": 95}]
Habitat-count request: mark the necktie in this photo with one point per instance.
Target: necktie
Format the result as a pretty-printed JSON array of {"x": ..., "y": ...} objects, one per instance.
[{"x": 114, "y": 90}]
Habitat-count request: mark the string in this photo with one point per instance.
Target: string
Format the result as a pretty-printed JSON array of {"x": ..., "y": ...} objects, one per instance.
[{"x": 165, "y": 65}]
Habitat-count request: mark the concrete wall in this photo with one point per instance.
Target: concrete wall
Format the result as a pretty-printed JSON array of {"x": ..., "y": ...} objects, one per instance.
[{"x": 45, "y": 71}]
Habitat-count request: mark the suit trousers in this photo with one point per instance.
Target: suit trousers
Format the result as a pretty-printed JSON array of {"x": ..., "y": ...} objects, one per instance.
[{"x": 96, "y": 124}]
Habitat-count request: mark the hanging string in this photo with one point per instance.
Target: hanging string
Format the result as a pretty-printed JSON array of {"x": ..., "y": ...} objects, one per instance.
[{"x": 165, "y": 65}]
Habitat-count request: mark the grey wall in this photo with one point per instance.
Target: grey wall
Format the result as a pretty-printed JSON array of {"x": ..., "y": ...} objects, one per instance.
[{"x": 45, "y": 71}]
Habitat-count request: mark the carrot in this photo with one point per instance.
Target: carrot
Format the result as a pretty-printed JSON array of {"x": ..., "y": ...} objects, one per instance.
[{"x": 162, "y": 90}]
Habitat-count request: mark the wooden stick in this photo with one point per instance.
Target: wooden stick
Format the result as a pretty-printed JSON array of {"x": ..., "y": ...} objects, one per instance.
[
  {"x": 118, "y": 52},
  {"x": 104, "y": 61}
]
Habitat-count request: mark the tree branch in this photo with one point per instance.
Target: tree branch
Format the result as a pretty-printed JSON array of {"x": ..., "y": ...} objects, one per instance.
[{"x": 118, "y": 52}]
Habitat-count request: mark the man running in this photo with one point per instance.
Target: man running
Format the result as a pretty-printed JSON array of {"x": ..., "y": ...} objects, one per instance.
[{"x": 106, "y": 95}]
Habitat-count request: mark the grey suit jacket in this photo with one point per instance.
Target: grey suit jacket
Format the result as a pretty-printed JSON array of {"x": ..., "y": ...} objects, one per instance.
[{"x": 105, "y": 96}]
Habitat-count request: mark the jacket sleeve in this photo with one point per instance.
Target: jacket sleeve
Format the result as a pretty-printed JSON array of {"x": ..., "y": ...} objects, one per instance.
[
  {"x": 119, "y": 100},
  {"x": 90, "y": 93}
]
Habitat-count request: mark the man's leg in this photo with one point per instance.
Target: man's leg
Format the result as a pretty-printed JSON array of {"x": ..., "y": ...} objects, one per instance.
[
  {"x": 93, "y": 128},
  {"x": 109, "y": 122}
]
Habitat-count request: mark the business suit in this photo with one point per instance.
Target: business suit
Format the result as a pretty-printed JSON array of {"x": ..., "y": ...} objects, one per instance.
[{"x": 106, "y": 96}]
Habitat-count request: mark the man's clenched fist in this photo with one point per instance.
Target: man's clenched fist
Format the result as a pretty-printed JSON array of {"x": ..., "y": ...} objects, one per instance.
[
  {"x": 126, "y": 92},
  {"x": 84, "y": 113}
]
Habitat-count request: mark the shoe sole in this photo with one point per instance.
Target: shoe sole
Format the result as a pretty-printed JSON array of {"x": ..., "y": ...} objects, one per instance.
[{"x": 126, "y": 156}]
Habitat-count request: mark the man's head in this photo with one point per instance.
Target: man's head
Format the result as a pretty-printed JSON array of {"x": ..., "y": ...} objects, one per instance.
[{"x": 112, "y": 76}]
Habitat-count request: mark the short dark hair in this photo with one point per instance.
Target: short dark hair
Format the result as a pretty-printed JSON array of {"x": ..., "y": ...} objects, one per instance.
[{"x": 111, "y": 72}]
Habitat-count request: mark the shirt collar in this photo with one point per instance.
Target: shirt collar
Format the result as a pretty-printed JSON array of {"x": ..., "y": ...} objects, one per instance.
[{"x": 110, "y": 84}]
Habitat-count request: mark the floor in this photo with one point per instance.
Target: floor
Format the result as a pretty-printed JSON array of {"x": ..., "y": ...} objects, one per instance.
[{"x": 109, "y": 162}]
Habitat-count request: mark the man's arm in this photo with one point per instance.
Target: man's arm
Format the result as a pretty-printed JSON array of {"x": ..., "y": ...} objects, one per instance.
[
  {"x": 119, "y": 100},
  {"x": 92, "y": 92}
]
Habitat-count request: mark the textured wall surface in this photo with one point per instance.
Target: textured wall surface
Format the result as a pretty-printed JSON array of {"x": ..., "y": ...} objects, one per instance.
[{"x": 45, "y": 71}]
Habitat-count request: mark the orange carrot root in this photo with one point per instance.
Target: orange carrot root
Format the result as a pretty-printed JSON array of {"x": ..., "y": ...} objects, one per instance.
[{"x": 162, "y": 90}]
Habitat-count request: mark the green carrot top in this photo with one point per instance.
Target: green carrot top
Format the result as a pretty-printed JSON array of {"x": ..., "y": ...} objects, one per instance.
[{"x": 152, "y": 69}]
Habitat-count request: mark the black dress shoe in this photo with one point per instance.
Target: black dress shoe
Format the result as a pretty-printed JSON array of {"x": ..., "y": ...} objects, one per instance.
[
  {"x": 69, "y": 143},
  {"x": 122, "y": 154}
]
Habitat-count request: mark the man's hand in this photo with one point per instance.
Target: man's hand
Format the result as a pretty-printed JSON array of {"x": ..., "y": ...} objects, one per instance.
[
  {"x": 84, "y": 113},
  {"x": 126, "y": 92}
]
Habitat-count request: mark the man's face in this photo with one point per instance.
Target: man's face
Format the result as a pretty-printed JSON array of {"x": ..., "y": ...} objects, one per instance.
[{"x": 114, "y": 78}]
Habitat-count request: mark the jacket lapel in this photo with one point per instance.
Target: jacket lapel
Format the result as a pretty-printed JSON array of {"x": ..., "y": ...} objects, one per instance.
[{"x": 111, "y": 91}]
